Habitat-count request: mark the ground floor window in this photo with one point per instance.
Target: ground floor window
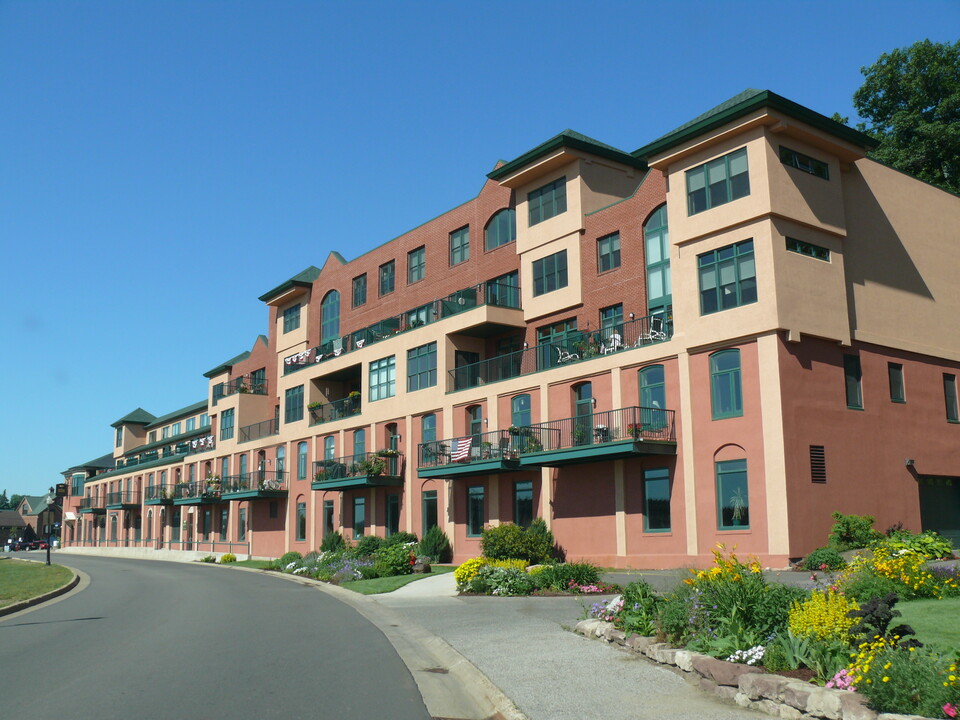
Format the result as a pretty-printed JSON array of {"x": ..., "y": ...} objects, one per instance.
[
  {"x": 327, "y": 517},
  {"x": 733, "y": 502},
  {"x": 656, "y": 500},
  {"x": 523, "y": 503},
  {"x": 224, "y": 518},
  {"x": 429, "y": 510},
  {"x": 359, "y": 516},
  {"x": 301, "y": 521},
  {"x": 393, "y": 514},
  {"x": 242, "y": 525},
  {"x": 475, "y": 511}
]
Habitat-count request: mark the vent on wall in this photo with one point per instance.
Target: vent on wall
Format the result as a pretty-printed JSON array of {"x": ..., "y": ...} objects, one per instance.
[{"x": 818, "y": 464}]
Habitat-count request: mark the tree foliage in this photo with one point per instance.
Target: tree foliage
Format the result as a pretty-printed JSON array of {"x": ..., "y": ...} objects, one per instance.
[{"x": 911, "y": 101}]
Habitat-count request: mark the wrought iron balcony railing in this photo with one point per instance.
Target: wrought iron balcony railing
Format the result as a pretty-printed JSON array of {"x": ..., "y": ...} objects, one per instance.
[
  {"x": 125, "y": 497},
  {"x": 380, "y": 464},
  {"x": 242, "y": 384},
  {"x": 258, "y": 480},
  {"x": 336, "y": 410},
  {"x": 259, "y": 430}
]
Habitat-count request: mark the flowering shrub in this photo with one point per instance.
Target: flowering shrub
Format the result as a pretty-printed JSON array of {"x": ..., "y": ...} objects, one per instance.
[
  {"x": 228, "y": 558},
  {"x": 929, "y": 544},
  {"x": 751, "y": 656},
  {"x": 500, "y": 581},
  {"x": 395, "y": 559},
  {"x": 593, "y": 589},
  {"x": 843, "y": 680},
  {"x": 905, "y": 571},
  {"x": 466, "y": 571},
  {"x": 823, "y": 615},
  {"x": 823, "y": 559}
]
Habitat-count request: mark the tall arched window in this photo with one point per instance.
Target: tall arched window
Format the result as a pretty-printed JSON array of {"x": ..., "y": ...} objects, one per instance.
[
  {"x": 281, "y": 459},
  {"x": 329, "y": 448},
  {"x": 520, "y": 411},
  {"x": 149, "y": 524},
  {"x": 475, "y": 423},
  {"x": 359, "y": 444},
  {"x": 243, "y": 465},
  {"x": 428, "y": 428},
  {"x": 392, "y": 436},
  {"x": 330, "y": 317},
  {"x": 301, "y": 461},
  {"x": 501, "y": 229},
  {"x": 657, "y": 245},
  {"x": 583, "y": 410},
  {"x": 113, "y": 528},
  {"x": 224, "y": 467},
  {"x": 726, "y": 393},
  {"x": 653, "y": 391}
]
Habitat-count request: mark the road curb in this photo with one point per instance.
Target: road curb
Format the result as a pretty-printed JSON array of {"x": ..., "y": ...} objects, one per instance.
[{"x": 33, "y": 602}]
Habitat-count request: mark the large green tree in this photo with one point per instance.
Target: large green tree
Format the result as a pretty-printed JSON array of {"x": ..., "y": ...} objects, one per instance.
[{"x": 911, "y": 102}]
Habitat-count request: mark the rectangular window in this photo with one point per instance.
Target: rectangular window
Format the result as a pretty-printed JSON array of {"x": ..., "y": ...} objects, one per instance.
[
  {"x": 119, "y": 436},
  {"x": 152, "y": 437},
  {"x": 191, "y": 424},
  {"x": 274, "y": 509},
  {"x": 327, "y": 517},
  {"x": 226, "y": 424},
  {"x": 547, "y": 201},
  {"x": 393, "y": 514},
  {"x": 360, "y": 290},
  {"x": 852, "y": 379},
  {"x": 656, "y": 500},
  {"x": 895, "y": 373},
  {"x": 459, "y": 246},
  {"x": 242, "y": 525},
  {"x": 416, "y": 264},
  {"x": 224, "y": 523},
  {"x": 359, "y": 516},
  {"x": 608, "y": 252},
  {"x": 792, "y": 158},
  {"x": 523, "y": 503},
  {"x": 717, "y": 182},
  {"x": 176, "y": 428},
  {"x": 950, "y": 397},
  {"x": 818, "y": 464},
  {"x": 611, "y": 318},
  {"x": 475, "y": 511},
  {"x": 422, "y": 367},
  {"x": 809, "y": 249},
  {"x": 291, "y": 318},
  {"x": 733, "y": 499},
  {"x": 293, "y": 404},
  {"x": 165, "y": 433},
  {"x": 550, "y": 273},
  {"x": 504, "y": 291},
  {"x": 301, "y": 521},
  {"x": 726, "y": 389},
  {"x": 429, "y": 509},
  {"x": 383, "y": 378},
  {"x": 387, "y": 278},
  {"x": 204, "y": 420},
  {"x": 728, "y": 277}
]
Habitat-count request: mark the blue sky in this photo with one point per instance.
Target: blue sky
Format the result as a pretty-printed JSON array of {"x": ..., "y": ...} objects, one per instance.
[{"x": 164, "y": 163}]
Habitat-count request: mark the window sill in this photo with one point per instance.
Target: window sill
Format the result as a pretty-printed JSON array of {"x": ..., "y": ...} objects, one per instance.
[
  {"x": 854, "y": 407},
  {"x": 735, "y": 530}
]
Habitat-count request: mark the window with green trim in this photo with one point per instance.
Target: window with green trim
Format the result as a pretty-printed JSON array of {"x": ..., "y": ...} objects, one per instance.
[
  {"x": 301, "y": 461},
  {"x": 291, "y": 318},
  {"x": 550, "y": 273},
  {"x": 728, "y": 277},
  {"x": 191, "y": 424},
  {"x": 460, "y": 246},
  {"x": 226, "y": 424},
  {"x": 520, "y": 413},
  {"x": 204, "y": 420},
  {"x": 387, "y": 277},
  {"x": 422, "y": 367},
  {"x": 504, "y": 291},
  {"x": 895, "y": 375},
  {"x": 329, "y": 448},
  {"x": 653, "y": 388},
  {"x": 428, "y": 510},
  {"x": 224, "y": 522},
  {"x": 301, "y": 521},
  {"x": 725, "y": 387},
  {"x": 501, "y": 230},
  {"x": 383, "y": 378},
  {"x": 950, "y": 397},
  {"x": 416, "y": 264},
  {"x": 608, "y": 252},
  {"x": 393, "y": 514},
  {"x": 241, "y": 525},
  {"x": 165, "y": 433},
  {"x": 330, "y": 317},
  {"x": 475, "y": 511},
  {"x": 852, "y": 377},
  {"x": 547, "y": 201},
  {"x": 360, "y": 290},
  {"x": 293, "y": 404},
  {"x": 733, "y": 495},
  {"x": 809, "y": 249},
  {"x": 359, "y": 444},
  {"x": 656, "y": 500},
  {"x": 611, "y": 318},
  {"x": 328, "y": 526},
  {"x": 718, "y": 182},
  {"x": 176, "y": 429},
  {"x": 657, "y": 245},
  {"x": 523, "y": 503},
  {"x": 359, "y": 516},
  {"x": 119, "y": 441},
  {"x": 807, "y": 164},
  {"x": 428, "y": 428}
]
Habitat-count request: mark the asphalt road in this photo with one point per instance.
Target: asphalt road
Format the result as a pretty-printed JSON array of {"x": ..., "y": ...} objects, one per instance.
[{"x": 165, "y": 640}]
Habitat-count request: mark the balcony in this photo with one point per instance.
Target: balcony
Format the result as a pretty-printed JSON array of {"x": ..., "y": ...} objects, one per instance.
[
  {"x": 244, "y": 384},
  {"x": 490, "y": 294},
  {"x": 336, "y": 410},
  {"x": 258, "y": 484},
  {"x": 359, "y": 471},
  {"x": 576, "y": 348},
  {"x": 482, "y": 454},
  {"x": 259, "y": 430},
  {"x": 92, "y": 505},
  {"x": 126, "y": 500},
  {"x": 158, "y": 495},
  {"x": 198, "y": 492}
]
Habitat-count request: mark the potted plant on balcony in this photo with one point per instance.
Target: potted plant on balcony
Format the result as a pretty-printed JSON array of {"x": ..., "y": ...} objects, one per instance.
[
  {"x": 635, "y": 430},
  {"x": 485, "y": 450},
  {"x": 314, "y": 409},
  {"x": 513, "y": 430},
  {"x": 387, "y": 452}
]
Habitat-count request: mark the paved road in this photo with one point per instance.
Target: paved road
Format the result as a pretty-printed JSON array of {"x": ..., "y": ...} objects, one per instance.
[{"x": 163, "y": 640}]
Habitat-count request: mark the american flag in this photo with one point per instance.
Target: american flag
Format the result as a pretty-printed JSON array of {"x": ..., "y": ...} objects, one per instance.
[{"x": 462, "y": 450}]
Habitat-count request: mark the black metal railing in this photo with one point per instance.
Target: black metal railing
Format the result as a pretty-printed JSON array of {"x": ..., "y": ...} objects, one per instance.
[
  {"x": 254, "y": 481},
  {"x": 259, "y": 430},
  {"x": 495, "y": 445},
  {"x": 383, "y": 463},
  {"x": 242, "y": 384},
  {"x": 576, "y": 347},
  {"x": 200, "y": 489},
  {"x": 125, "y": 497},
  {"x": 336, "y": 410},
  {"x": 91, "y": 503},
  {"x": 158, "y": 492}
]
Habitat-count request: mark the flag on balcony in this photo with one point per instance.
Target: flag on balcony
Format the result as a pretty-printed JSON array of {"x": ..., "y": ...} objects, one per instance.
[{"x": 461, "y": 452}]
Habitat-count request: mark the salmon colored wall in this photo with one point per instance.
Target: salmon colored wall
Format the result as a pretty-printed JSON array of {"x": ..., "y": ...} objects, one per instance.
[{"x": 584, "y": 523}]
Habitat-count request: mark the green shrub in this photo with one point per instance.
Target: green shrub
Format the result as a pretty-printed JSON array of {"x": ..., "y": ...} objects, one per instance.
[
  {"x": 332, "y": 542},
  {"x": 500, "y": 581},
  {"x": 436, "y": 545},
  {"x": 367, "y": 545},
  {"x": 208, "y": 559},
  {"x": 775, "y": 657},
  {"x": 288, "y": 558},
  {"x": 850, "y": 532},
  {"x": 929, "y": 544},
  {"x": 824, "y": 556},
  {"x": 640, "y": 608},
  {"x": 392, "y": 560},
  {"x": 559, "y": 577},
  {"x": 673, "y": 622},
  {"x": 401, "y": 538},
  {"x": 504, "y": 541},
  {"x": 228, "y": 558},
  {"x": 918, "y": 682},
  {"x": 866, "y": 585},
  {"x": 540, "y": 541}
]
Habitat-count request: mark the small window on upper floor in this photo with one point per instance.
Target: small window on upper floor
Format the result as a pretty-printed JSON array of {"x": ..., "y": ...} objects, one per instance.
[
  {"x": 608, "y": 252},
  {"x": 291, "y": 318},
  {"x": 502, "y": 229},
  {"x": 119, "y": 436},
  {"x": 718, "y": 182},
  {"x": 191, "y": 424},
  {"x": 550, "y": 273},
  {"x": 387, "y": 277},
  {"x": 152, "y": 437},
  {"x": 330, "y": 317},
  {"x": 728, "y": 277},
  {"x": 809, "y": 249},
  {"x": 547, "y": 201},
  {"x": 793, "y": 159},
  {"x": 416, "y": 265},
  {"x": 360, "y": 290},
  {"x": 459, "y": 246}
]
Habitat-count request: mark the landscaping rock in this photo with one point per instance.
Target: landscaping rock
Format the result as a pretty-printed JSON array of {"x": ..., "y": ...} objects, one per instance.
[
  {"x": 789, "y": 713},
  {"x": 617, "y": 636},
  {"x": 665, "y": 655},
  {"x": 742, "y": 700},
  {"x": 602, "y": 628},
  {"x": 768, "y": 707},
  {"x": 708, "y": 686},
  {"x": 684, "y": 660},
  {"x": 725, "y": 692},
  {"x": 651, "y": 650},
  {"x": 795, "y": 694},
  {"x": 761, "y": 686},
  {"x": 421, "y": 568},
  {"x": 639, "y": 643},
  {"x": 853, "y": 706},
  {"x": 721, "y": 671},
  {"x": 824, "y": 703},
  {"x": 895, "y": 716},
  {"x": 588, "y": 627}
]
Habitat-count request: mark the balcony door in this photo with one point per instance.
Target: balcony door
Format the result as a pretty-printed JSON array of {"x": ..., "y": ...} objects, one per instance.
[{"x": 583, "y": 414}]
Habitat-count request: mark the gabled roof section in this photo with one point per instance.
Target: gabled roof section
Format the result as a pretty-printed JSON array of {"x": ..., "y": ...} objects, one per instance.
[
  {"x": 36, "y": 504},
  {"x": 11, "y": 519},
  {"x": 224, "y": 366},
  {"x": 567, "y": 139},
  {"x": 742, "y": 104},
  {"x": 304, "y": 278},
  {"x": 104, "y": 461},
  {"x": 137, "y": 417},
  {"x": 182, "y": 412}
]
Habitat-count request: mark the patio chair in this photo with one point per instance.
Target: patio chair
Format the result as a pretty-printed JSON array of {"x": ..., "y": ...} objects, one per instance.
[{"x": 565, "y": 356}]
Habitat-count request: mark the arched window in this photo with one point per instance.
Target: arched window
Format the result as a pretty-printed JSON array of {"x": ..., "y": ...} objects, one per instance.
[
  {"x": 359, "y": 444},
  {"x": 281, "y": 459},
  {"x": 243, "y": 465},
  {"x": 501, "y": 229},
  {"x": 329, "y": 448},
  {"x": 726, "y": 393},
  {"x": 301, "y": 461},
  {"x": 113, "y": 528},
  {"x": 520, "y": 411},
  {"x": 224, "y": 467},
  {"x": 583, "y": 410},
  {"x": 149, "y": 524},
  {"x": 428, "y": 428},
  {"x": 657, "y": 252},
  {"x": 330, "y": 317},
  {"x": 475, "y": 423},
  {"x": 653, "y": 391},
  {"x": 393, "y": 436}
]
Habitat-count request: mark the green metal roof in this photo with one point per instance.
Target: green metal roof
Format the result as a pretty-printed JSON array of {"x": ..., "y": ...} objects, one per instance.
[
  {"x": 137, "y": 417},
  {"x": 569, "y": 139},
  {"x": 742, "y": 104},
  {"x": 304, "y": 278},
  {"x": 134, "y": 469},
  {"x": 224, "y": 366},
  {"x": 104, "y": 461},
  {"x": 205, "y": 430},
  {"x": 182, "y": 412}
]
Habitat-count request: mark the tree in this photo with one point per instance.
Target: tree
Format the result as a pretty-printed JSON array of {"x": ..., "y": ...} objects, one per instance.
[
  {"x": 911, "y": 100},
  {"x": 15, "y": 501},
  {"x": 4, "y": 501}
]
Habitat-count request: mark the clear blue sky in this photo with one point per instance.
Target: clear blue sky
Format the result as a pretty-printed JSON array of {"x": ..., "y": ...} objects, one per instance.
[{"x": 164, "y": 163}]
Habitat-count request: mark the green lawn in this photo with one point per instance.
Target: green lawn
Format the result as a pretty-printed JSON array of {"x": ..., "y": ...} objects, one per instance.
[
  {"x": 258, "y": 564},
  {"x": 376, "y": 586},
  {"x": 20, "y": 580},
  {"x": 935, "y": 622}
]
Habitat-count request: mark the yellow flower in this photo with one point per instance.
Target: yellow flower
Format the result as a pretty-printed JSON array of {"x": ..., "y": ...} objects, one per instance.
[{"x": 886, "y": 679}]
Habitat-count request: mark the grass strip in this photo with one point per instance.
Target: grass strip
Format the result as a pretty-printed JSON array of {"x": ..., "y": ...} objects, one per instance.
[
  {"x": 377, "y": 586},
  {"x": 21, "y": 580},
  {"x": 935, "y": 622}
]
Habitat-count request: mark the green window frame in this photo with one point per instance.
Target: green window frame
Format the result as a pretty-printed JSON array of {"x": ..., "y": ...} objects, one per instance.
[
  {"x": 727, "y": 277},
  {"x": 656, "y": 239},
  {"x": 656, "y": 500},
  {"x": 359, "y": 516},
  {"x": 359, "y": 444},
  {"x": 853, "y": 381},
  {"x": 204, "y": 420},
  {"x": 550, "y": 273},
  {"x": 392, "y": 514},
  {"x": 241, "y": 525},
  {"x": 224, "y": 523},
  {"x": 950, "y": 397},
  {"x": 328, "y": 525},
  {"x": 383, "y": 378},
  {"x": 794, "y": 159},
  {"x": 301, "y": 521},
  {"x": 301, "y": 461},
  {"x": 523, "y": 503},
  {"x": 360, "y": 290},
  {"x": 460, "y": 245},
  {"x": 119, "y": 436},
  {"x": 895, "y": 376},
  {"x": 428, "y": 510},
  {"x": 608, "y": 252},
  {"x": 422, "y": 367},
  {"x": 718, "y": 182},
  {"x": 475, "y": 510},
  {"x": 226, "y": 424},
  {"x": 165, "y": 433},
  {"x": 501, "y": 229},
  {"x": 388, "y": 278},
  {"x": 291, "y": 318},
  {"x": 520, "y": 411},
  {"x": 191, "y": 424},
  {"x": 547, "y": 201},
  {"x": 653, "y": 387},
  {"x": 611, "y": 318},
  {"x": 177, "y": 429},
  {"x": 726, "y": 388},
  {"x": 329, "y": 448},
  {"x": 330, "y": 316},
  {"x": 504, "y": 290},
  {"x": 428, "y": 428},
  {"x": 293, "y": 404},
  {"x": 416, "y": 265},
  {"x": 733, "y": 495},
  {"x": 802, "y": 247}
]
